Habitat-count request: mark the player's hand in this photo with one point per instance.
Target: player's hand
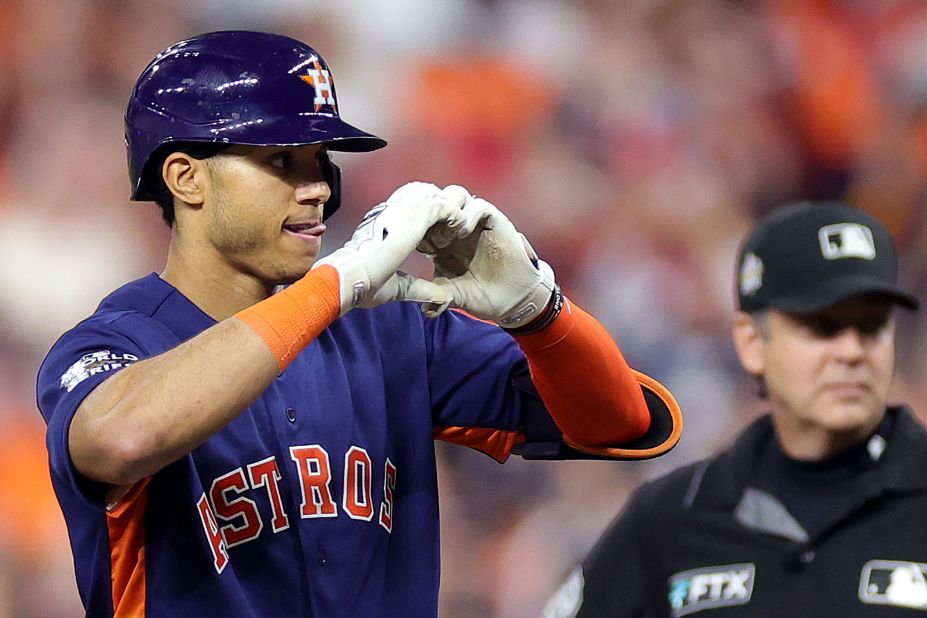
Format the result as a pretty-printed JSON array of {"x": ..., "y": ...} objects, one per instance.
[
  {"x": 486, "y": 265},
  {"x": 368, "y": 264}
]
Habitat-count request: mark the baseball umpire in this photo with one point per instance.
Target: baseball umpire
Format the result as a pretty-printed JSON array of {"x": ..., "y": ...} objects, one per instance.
[
  {"x": 223, "y": 447},
  {"x": 818, "y": 508}
]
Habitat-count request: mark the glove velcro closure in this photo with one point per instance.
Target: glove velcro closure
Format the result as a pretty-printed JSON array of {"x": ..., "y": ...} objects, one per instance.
[
  {"x": 535, "y": 303},
  {"x": 353, "y": 278},
  {"x": 545, "y": 319}
]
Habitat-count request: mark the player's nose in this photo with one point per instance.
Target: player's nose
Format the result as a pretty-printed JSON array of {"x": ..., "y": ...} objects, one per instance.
[{"x": 312, "y": 192}]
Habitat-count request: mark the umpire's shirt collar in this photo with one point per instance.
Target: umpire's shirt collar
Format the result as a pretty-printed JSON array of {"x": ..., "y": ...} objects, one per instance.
[{"x": 900, "y": 465}]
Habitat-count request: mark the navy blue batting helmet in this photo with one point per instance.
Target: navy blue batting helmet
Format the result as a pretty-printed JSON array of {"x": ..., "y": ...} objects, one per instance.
[{"x": 236, "y": 87}]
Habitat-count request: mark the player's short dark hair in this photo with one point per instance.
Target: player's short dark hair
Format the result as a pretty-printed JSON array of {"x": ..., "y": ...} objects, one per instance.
[{"x": 163, "y": 196}]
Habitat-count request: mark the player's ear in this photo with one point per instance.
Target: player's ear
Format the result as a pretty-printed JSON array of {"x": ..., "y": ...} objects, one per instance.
[
  {"x": 749, "y": 338},
  {"x": 186, "y": 177}
]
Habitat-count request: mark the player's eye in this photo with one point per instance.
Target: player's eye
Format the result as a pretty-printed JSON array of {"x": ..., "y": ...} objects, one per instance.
[{"x": 281, "y": 160}]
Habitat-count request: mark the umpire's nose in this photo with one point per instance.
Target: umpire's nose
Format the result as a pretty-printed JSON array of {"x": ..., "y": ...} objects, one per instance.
[{"x": 849, "y": 345}]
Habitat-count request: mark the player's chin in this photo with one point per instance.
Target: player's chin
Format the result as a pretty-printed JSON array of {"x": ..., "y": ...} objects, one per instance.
[
  {"x": 304, "y": 256},
  {"x": 291, "y": 261},
  {"x": 294, "y": 270}
]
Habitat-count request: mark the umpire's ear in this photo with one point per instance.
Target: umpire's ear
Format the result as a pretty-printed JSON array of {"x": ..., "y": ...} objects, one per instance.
[{"x": 748, "y": 333}]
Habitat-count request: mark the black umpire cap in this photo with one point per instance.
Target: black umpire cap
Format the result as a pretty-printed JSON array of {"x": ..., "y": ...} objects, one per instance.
[{"x": 807, "y": 256}]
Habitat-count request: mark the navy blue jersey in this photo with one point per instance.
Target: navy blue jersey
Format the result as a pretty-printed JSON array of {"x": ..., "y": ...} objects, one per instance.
[{"x": 321, "y": 498}]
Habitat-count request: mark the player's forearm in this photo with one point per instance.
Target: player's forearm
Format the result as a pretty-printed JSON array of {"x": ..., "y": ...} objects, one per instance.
[
  {"x": 158, "y": 410},
  {"x": 586, "y": 384}
]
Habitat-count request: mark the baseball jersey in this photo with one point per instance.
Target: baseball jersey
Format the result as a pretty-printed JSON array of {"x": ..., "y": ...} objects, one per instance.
[
  {"x": 717, "y": 538},
  {"x": 320, "y": 499}
]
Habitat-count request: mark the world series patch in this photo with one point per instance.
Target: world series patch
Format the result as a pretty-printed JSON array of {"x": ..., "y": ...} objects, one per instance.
[
  {"x": 94, "y": 363},
  {"x": 894, "y": 582},
  {"x": 710, "y": 587}
]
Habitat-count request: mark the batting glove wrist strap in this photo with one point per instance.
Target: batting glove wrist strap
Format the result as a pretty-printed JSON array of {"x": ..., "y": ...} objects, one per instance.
[{"x": 547, "y": 317}]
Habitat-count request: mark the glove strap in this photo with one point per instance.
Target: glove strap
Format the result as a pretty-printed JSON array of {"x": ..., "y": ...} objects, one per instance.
[{"x": 554, "y": 306}]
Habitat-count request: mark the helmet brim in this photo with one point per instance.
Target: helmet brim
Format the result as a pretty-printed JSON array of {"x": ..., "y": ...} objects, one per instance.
[{"x": 304, "y": 130}]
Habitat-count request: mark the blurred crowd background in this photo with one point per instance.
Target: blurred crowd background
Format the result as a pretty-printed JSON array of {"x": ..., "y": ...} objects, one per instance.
[{"x": 634, "y": 142}]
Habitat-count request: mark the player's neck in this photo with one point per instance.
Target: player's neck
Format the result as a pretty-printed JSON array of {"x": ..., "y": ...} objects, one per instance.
[{"x": 212, "y": 285}]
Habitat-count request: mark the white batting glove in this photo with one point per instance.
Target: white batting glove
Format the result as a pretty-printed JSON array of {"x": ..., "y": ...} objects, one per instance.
[
  {"x": 487, "y": 266},
  {"x": 368, "y": 264}
]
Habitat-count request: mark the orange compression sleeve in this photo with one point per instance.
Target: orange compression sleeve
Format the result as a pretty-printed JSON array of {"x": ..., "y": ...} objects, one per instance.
[
  {"x": 290, "y": 319},
  {"x": 585, "y": 383}
]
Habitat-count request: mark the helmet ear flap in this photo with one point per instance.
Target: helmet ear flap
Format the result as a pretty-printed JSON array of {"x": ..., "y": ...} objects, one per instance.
[{"x": 332, "y": 175}]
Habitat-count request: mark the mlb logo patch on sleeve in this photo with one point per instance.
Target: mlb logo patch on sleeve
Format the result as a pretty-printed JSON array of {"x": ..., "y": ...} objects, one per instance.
[
  {"x": 894, "y": 582},
  {"x": 711, "y": 587}
]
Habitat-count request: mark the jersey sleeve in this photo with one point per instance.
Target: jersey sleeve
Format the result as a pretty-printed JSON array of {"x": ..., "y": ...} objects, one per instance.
[
  {"x": 472, "y": 370},
  {"x": 483, "y": 397},
  {"x": 80, "y": 361}
]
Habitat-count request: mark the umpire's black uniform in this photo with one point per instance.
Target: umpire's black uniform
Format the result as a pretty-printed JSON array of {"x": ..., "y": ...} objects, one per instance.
[{"x": 752, "y": 533}]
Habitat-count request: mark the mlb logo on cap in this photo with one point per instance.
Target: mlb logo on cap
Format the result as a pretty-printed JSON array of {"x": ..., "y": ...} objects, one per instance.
[
  {"x": 844, "y": 240},
  {"x": 805, "y": 257}
]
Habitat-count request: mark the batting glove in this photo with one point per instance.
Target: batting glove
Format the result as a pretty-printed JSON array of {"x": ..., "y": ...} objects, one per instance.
[
  {"x": 488, "y": 268},
  {"x": 368, "y": 263}
]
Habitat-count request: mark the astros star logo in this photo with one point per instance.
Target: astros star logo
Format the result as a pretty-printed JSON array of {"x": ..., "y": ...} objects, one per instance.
[{"x": 321, "y": 81}]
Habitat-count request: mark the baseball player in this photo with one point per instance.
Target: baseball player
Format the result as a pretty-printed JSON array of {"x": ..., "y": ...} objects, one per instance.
[
  {"x": 818, "y": 508},
  {"x": 219, "y": 447}
]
